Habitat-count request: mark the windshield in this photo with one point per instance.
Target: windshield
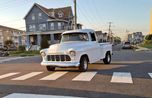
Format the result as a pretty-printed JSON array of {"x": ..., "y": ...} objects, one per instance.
[
  {"x": 127, "y": 42},
  {"x": 74, "y": 37}
]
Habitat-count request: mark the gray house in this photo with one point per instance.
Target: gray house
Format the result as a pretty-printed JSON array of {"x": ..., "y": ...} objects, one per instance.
[{"x": 47, "y": 23}]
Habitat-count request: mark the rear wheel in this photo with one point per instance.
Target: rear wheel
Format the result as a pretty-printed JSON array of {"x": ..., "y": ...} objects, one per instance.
[
  {"x": 83, "y": 64},
  {"x": 107, "y": 59},
  {"x": 50, "y": 68}
]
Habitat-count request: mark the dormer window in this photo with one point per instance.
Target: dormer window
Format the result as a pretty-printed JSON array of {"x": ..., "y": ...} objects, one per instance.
[
  {"x": 60, "y": 14},
  {"x": 52, "y": 13}
]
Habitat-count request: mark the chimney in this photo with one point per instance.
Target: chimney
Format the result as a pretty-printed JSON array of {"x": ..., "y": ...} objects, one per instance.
[{"x": 53, "y": 13}]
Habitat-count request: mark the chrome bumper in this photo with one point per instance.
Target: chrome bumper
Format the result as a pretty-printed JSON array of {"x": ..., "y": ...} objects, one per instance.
[{"x": 60, "y": 64}]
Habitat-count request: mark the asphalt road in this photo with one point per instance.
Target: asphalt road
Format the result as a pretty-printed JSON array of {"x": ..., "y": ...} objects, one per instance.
[{"x": 129, "y": 76}]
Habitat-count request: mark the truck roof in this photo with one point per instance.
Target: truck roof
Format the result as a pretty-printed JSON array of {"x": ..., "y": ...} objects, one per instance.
[{"x": 79, "y": 30}]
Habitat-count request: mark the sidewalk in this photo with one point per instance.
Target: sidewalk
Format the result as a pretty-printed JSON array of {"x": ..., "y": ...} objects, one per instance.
[
  {"x": 5, "y": 59},
  {"x": 142, "y": 49}
]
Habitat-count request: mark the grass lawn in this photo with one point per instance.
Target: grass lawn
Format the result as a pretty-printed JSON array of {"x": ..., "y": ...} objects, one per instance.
[
  {"x": 149, "y": 46},
  {"x": 24, "y": 53}
]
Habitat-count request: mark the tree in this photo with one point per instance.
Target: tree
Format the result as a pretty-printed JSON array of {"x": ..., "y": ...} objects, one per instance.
[
  {"x": 8, "y": 43},
  {"x": 44, "y": 43},
  {"x": 148, "y": 39},
  {"x": 117, "y": 40}
]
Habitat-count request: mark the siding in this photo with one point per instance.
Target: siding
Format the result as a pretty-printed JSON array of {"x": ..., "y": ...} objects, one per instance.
[
  {"x": 37, "y": 21},
  {"x": 36, "y": 10}
]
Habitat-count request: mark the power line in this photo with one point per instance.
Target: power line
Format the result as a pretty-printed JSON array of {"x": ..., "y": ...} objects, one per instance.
[
  {"x": 88, "y": 20},
  {"x": 86, "y": 16},
  {"x": 95, "y": 10}
]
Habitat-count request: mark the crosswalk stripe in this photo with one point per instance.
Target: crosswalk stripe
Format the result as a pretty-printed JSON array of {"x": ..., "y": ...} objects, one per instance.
[
  {"x": 150, "y": 74},
  {"x": 121, "y": 77},
  {"x": 27, "y": 76},
  {"x": 54, "y": 76},
  {"x": 8, "y": 75},
  {"x": 85, "y": 76},
  {"x": 22, "y": 95}
]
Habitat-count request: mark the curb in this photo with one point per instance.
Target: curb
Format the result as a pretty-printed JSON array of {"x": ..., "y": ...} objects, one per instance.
[
  {"x": 143, "y": 49},
  {"x": 10, "y": 59}
]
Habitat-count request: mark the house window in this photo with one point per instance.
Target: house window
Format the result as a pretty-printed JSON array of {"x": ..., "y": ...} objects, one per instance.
[
  {"x": 60, "y": 14},
  {"x": 40, "y": 15},
  {"x": 52, "y": 13},
  {"x": 59, "y": 25},
  {"x": 32, "y": 27},
  {"x": 33, "y": 17},
  {"x": 52, "y": 26},
  {"x": 42, "y": 27}
]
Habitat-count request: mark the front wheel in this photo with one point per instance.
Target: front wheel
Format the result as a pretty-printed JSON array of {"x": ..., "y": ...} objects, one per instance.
[
  {"x": 83, "y": 64},
  {"x": 107, "y": 59},
  {"x": 50, "y": 68}
]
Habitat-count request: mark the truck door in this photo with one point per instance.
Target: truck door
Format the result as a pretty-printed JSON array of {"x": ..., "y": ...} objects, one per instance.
[
  {"x": 99, "y": 38},
  {"x": 95, "y": 53}
]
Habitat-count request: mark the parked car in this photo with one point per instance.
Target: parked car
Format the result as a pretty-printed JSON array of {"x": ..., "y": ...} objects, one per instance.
[
  {"x": 77, "y": 48},
  {"x": 3, "y": 48},
  {"x": 127, "y": 45},
  {"x": 4, "y": 53}
]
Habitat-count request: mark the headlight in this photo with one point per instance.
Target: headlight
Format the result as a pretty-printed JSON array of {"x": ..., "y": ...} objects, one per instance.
[
  {"x": 43, "y": 54},
  {"x": 72, "y": 53}
]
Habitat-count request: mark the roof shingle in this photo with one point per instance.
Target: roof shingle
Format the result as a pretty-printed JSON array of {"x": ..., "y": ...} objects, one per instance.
[{"x": 53, "y": 12}]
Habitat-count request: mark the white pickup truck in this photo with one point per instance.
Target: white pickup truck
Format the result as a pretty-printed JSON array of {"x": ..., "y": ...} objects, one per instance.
[{"x": 77, "y": 48}]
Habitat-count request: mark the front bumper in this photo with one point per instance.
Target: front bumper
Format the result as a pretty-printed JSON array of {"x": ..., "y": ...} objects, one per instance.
[{"x": 60, "y": 64}]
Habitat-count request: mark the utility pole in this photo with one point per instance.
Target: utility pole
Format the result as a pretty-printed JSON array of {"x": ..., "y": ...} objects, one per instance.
[
  {"x": 127, "y": 32},
  {"x": 151, "y": 22},
  {"x": 75, "y": 14},
  {"x": 110, "y": 32}
]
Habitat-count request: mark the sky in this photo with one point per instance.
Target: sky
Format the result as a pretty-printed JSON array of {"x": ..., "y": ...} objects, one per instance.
[{"x": 125, "y": 15}]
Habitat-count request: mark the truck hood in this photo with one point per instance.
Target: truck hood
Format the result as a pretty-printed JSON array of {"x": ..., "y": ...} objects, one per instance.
[{"x": 64, "y": 47}]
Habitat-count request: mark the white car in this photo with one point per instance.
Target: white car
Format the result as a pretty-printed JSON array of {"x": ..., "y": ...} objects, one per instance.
[
  {"x": 127, "y": 45},
  {"x": 77, "y": 48}
]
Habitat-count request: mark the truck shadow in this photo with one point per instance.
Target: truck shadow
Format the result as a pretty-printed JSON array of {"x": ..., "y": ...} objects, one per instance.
[{"x": 137, "y": 70}]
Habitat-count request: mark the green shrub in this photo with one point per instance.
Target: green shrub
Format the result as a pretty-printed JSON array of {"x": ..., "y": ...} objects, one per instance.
[
  {"x": 44, "y": 43},
  {"x": 24, "y": 53},
  {"x": 148, "y": 37},
  {"x": 148, "y": 42},
  {"x": 21, "y": 48},
  {"x": 8, "y": 43}
]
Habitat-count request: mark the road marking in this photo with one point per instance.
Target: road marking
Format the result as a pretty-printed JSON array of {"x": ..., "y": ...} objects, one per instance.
[
  {"x": 8, "y": 75},
  {"x": 121, "y": 77},
  {"x": 150, "y": 74},
  {"x": 85, "y": 76},
  {"x": 54, "y": 76},
  {"x": 27, "y": 76},
  {"x": 20, "y": 95}
]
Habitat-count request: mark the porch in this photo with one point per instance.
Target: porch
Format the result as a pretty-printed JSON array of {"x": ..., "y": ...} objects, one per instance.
[{"x": 33, "y": 41}]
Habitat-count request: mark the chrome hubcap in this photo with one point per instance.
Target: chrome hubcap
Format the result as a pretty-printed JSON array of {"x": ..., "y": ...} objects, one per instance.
[
  {"x": 85, "y": 64},
  {"x": 108, "y": 58}
]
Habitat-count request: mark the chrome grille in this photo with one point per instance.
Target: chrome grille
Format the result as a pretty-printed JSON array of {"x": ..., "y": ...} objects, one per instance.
[{"x": 58, "y": 58}]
